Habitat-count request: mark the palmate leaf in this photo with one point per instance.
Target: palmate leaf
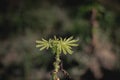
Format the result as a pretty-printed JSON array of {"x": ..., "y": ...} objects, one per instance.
[
  {"x": 43, "y": 44},
  {"x": 68, "y": 44},
  {"x": 58, "y": 45}
]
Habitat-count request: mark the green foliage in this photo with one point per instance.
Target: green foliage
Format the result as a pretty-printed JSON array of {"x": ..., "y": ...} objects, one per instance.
[{"x": 58, "y": 45}]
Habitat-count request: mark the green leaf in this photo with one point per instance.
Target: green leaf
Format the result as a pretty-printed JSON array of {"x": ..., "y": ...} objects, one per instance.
[{"x": 58, "y": 45}]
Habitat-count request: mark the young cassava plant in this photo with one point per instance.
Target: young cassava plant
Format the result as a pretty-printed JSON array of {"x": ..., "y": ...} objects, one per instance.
[{"x": 58, "y": 46}]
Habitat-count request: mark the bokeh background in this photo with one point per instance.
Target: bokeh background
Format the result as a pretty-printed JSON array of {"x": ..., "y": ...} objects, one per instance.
[{"x": 95, "y": 22}]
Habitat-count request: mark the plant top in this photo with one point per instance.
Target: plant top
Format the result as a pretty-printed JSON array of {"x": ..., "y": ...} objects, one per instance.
[{"x": 58, "y": 45}]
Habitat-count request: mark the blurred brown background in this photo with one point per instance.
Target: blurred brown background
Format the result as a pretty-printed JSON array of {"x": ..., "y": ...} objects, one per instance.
[{"x": 95, "y": 22}]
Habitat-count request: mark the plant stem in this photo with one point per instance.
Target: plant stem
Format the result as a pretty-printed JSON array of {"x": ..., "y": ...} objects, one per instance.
[{"x": 56, "y": 67}]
